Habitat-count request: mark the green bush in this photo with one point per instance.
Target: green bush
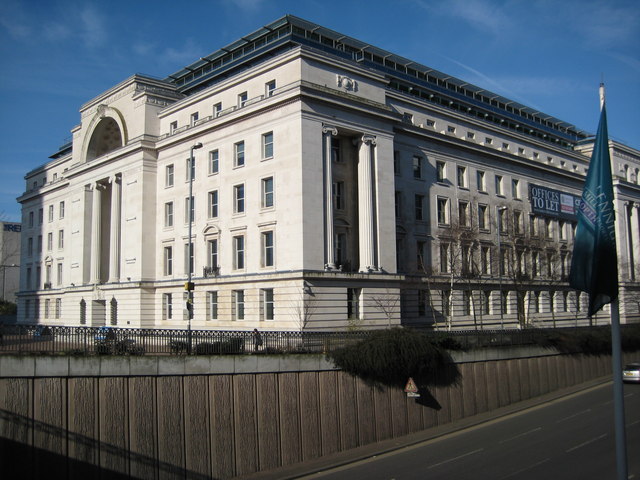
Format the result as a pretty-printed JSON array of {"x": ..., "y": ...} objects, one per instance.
[{"x": 390, "y": 357}]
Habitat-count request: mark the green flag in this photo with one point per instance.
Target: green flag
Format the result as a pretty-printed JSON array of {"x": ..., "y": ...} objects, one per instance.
[{"x": 594, "y": 266}]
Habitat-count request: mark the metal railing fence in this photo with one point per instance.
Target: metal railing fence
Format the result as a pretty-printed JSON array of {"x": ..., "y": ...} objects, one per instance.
[{"x": 46, "y": 339}]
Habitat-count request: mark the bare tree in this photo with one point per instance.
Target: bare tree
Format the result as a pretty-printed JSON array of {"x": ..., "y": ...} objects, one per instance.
[
  {"x": 387, "y": 303},
  {"x": 303, "y": 305}
]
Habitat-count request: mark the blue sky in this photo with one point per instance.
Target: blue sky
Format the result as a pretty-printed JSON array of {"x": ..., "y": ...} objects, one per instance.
[{"x": 56, "y": 55}]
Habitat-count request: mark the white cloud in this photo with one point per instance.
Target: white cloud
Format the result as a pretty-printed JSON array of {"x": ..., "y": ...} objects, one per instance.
[{"x": 92, "y": 28}]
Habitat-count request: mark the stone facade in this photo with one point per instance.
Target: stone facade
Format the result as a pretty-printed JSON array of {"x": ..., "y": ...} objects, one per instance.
[{"x": 337, "y": 186}]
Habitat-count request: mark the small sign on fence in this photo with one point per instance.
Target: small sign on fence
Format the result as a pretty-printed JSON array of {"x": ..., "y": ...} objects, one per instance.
[{"x": 411, "y": 389}]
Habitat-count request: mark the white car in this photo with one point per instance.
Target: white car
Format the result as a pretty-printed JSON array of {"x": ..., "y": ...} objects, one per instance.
[{"x": 631, "y": 372}]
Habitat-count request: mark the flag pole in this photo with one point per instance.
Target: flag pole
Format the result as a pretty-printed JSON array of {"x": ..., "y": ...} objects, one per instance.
[{"x": 616, "y": 364}]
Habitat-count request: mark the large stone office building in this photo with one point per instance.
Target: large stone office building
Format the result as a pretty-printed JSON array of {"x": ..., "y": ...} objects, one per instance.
[{"x": 337, "y": 186}]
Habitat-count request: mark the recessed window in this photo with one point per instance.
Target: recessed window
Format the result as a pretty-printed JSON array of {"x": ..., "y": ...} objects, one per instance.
[
  {"x": 498, "y": 183},
  {"x": 50, "y": 213},
  {"x": 419, "y": 207},
  {"x": 505, "y": 146},
  {"x": 168, "y": 261},
  {"x": 60, "y": 239},
  {"x": 237, "y": 305},
  {"x": 238, "y": 198},
  {"x": 173, "y": 126},
  {"x": 461, "y": 175},
  {"x": 353, "y": 303},
  {"x": 193, "y": 119},
  {"x": 168, "y": 214},
  {"x": 190, "y": 169},
  {"x": 238, "y": 252},
  {"x": 483, "y": 217},
  {"x": 463, "y": 213},
  {"x": 441, "y": 171},
  {"x": 212, "y": 253},
  {"x": 267, "y": 192},
  {"x": 269, "y": 88},
  {"x": 267, "y": 248},
  {"x": 267, "y": 145},
  {"x": 335, "y": 150},
  {"x": 417, "y": 167},
  {"x": 480, "y": 180},
  {"x": 61, "y": 211},
  {"x": 443, "y": 211},
  {"x": 212, "y": 305},
  {"x": 217, "y": 108},
  {"x": 168, "y": 179},
  {"x": 444, "y": 257},
  {"x": 238, "y": 154},
  {"x": 338, "y": 195},
  {"x": 167, "y": 306},
  {"x": 451, "y": 129},
  {"x": 188, "y": 257},
  {"x": 515, "y": 188},
  {"x": 214, "y": 162},
  {"x": 242, "y": 99},
  {"x": 266, "y": 304},
  {"x": 471, "y": 135},
  {"x": 189, "y": 209},
  {"x": 488, "y": 140},
  {"x": 213, "y": 204}
]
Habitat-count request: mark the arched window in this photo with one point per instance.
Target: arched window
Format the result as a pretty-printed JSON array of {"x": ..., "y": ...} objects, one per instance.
[
  {"x": 114, "y": 311},
  {"x": 83, "y": 312}
]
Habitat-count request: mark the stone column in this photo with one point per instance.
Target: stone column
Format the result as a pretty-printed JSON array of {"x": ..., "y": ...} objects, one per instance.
[
  {"x": 116, "y": 220},
  {"x": 633, "y": 225},
  {"x": 328, "y": 132},
  {"x": 366, "y": 204},
  {"x": 96, "y": 232}
]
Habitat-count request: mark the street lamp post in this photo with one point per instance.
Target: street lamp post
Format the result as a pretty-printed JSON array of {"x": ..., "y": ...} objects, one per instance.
[
  {"x": 500, "y": 261},
  {"x": 189, "y": 285}
]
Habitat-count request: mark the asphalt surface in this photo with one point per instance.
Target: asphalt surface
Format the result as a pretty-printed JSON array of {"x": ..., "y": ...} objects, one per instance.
[{"x": 567, "y": 434}]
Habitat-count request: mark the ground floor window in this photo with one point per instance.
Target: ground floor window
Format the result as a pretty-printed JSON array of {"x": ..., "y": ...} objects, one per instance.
[
  {"x": 167, "y": 306},
  {"x": 266, "y": 304}
]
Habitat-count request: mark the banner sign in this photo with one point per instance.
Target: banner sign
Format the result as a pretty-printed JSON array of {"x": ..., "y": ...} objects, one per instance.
[
  {"x": 553, "y": 203},
  {"x": 13, "y": 227}
]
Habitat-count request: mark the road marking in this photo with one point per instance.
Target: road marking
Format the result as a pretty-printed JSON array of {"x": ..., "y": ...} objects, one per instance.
[
  {"x": 456, "y": 458},
  {"x": 520, "y": 435},
  {"x": 586, "y": 443},
  {"x": 574, "y": 415},
  {"x": 513, "y": 474}
]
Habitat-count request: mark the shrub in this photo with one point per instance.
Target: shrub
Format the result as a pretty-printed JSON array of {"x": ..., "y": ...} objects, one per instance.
[{"x": 390, "y": 357}]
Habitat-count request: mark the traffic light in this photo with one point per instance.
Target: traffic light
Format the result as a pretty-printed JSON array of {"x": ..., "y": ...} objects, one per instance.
[{"x": 188, "y": 286}]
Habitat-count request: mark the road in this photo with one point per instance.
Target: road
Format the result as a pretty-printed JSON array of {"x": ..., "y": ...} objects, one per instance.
[{"x": 570, "y": 438}]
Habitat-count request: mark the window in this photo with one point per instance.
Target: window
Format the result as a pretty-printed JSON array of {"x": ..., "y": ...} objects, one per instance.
[
  {"x": 50, "y": 213},
  {"x": 30, "y": 219},
  {"x": 193, "y": 119},
  {"x": 214, "y": 162},
  {"x": 535, "y": 263},
  {"x": 60, "y": 212},
  {"x": 30, "y": 246},
  {"x": 498, "y": 184},
  {"x": 335, "y": 150},
  {"x": 267, "y": 192},
  {"x": 485, "y": 302},
  {"x": 483, "y": 217},
  {"x": 267, "y": 248},
  {"x": 168, "y": 214},
  {"x": 353, "y": 297},
  {"x": 340, "y": 248},
  {"x": 238, "y": 198},
  {"x": 338, "y": 195},
  {"x": 59, "y": 274},
  {"x": 188, "y": 257},
  {"x": 485, "y": 260},
  {"x": 417, "y": 167},
  {"x": 47, "y": 304},
  {"x": 520, "y": 151},
  {"x": 168, "y": 179},
  {"x": 441, "y": 171},
  {"x": 423, "y": 302},
  {"x": 212, "y": 304},
  {"x": 39, "y": 243},
  {"x": 471, "y": 135},
  {"x": 167, "y": 306},
  {"x": 396, "y": 163},
  {"x": 444, "y": 257},
  {"x": 40, "y": 216},
  {"x": 419, "y": 207},
  {"x": 451, "y": 129},
  {"x": 443, "y": 211},
  {"x": 488, "y": 140},
  {"x": 168, "y": 261},
  {"x": 266, "y": 304},
  {"x": 515, "y": 188},
  {"x": 463, "y": 213},
  {"x": 189, "y": 209},
  {"x": 217, "y": 108},
  {"x": 533, "y": 225},
  {"x": 269, "y": 88},
  {"x": 562, "y": 231},
  {"x": 237, "y": 305},
  {"x": 398, "y": 204},
  {"x": 190, "y": 169},
  {"x": 503, "y": 261},
  {"x": 504, "y": 302},
  {"x": 173, "y": 126},
  {"x": 242, "y": 99},
  {"x": 461, "y": 176},
  {"x": 517, "y": 222},
  {"x": 480, "y": 179},
  {"x": 28, "y": 278},
  {"x": 238, "y": 252},
  {"x": 502, "y": 220},
  {"x": 212, "y": 253},
  {"x": 213, "y": 204},
  {"x": 552, "y": 302},
  {"x": 267, "y": 145},
  {"x": 60, "y": 239},
  {"x": 505, "y": 146},
  {"x": 49, "y": 241},
  {"x": 238, "y": 154},
  {"x": 466, "y": 302},
  {"x": 548, "y": 231},
  {"x": 420, "y": 258},
  {"x": 445, "y": 301}
]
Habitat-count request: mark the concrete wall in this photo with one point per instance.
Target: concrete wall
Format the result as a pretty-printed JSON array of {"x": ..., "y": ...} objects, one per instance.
[{"x": 222, "y": 417}]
